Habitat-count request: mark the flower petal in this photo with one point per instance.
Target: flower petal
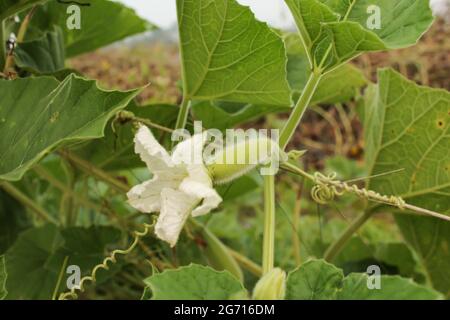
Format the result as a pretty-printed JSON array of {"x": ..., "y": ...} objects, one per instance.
[
  {"x": 146, "y": 197},
  {"x": 190, "y": 151},
  {"x": 199, "y": 185},
  {"x": 176, "y": 207},
  {"x": 151, "y": 152}
]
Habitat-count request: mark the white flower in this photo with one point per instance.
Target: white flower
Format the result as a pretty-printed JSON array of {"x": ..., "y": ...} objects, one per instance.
[{"x": 180, "y": 187}]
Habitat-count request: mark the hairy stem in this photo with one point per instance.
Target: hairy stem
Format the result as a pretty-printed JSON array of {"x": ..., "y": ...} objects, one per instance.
[
  {"x": 296, "y": 116},
  {"x": 27, "y": 202},
  {"x": 334, "y": 250},
  {"x": 269, "y": 224}
]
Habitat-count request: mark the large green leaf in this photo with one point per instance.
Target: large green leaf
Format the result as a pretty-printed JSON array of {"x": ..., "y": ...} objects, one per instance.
[
  {"x": 193, "y": 282},
  {"x": 39, "y": 114},
  {"x": 43, "y": 55},
  {"x": 319, "y": 280},
  {"x": 12, "y": 7},
  {"x": 336, "y": 31},
  {"x": 228, "y": 55},
  {"x": 407, "y": 127},
  {"x": 102, "y": 23},
  {"x": 3, "y": 277},
  {"x": 34, "y": 262}
]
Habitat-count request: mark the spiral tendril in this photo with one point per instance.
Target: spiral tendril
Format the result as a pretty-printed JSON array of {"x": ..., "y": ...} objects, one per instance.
[
  {"x": 328, "y": 187},
  {"x": 112, "y": 258}
]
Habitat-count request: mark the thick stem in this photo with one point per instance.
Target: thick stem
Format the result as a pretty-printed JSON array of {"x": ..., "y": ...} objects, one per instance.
[
  {"x": 297, "y": 114},
  {"x": 269, "y": 224},
  {"x": 334, "y": 250}
]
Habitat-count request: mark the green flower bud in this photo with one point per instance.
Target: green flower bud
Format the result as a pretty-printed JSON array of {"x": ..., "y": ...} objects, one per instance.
[
  {"x": 239, "y": 158},
  {"x": 272, "y": 286}
]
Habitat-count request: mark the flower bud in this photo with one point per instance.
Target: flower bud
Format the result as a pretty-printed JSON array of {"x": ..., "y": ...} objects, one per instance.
[
  {"x": 272, "y": 286},
  {"x": 239, "y": 158}
]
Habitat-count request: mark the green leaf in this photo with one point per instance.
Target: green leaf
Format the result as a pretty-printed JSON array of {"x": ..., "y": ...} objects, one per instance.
[
  {"x": 3, "y": 277},
  {"x": 337, "y": 86},
  {"x": 12, "y": 7},
  {"x": 354, "y": 287},
  {"x": 336, "y": 31},
  {"x": 43, "y": 55},
  {"x": 102, "y": 23},
  {"x": 13, "y": 219},
  {"x": 314, "y": 280},
  {"x": 40, "y": 114},
  {"x": 407, "y": 127},
  {"x": 228, "y": 55},
  {"x": 319, "y": 280},
  {"x": 34, "y": 262},
  {"x": 226, "y": 115},
  {"x": 193, "y": 282}
]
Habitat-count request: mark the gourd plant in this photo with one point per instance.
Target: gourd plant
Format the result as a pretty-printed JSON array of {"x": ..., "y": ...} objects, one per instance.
[{"x": 55, "y": 136}]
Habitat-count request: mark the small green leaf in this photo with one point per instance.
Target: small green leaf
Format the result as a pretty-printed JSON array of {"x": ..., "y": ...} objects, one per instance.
[
  {"x": 40, "y": 114},
  {"x": 193, "y": 282},
  {"x": 314, "y": 280},
  {"x": 228, "y": 55},
  {"x": 334, "y": 32},
  {"x": 407, "y": 127},
  {"x": 102, "y": 23},
  {"x": 43, "y": 55},
  {"x": 3, "y": 277}
]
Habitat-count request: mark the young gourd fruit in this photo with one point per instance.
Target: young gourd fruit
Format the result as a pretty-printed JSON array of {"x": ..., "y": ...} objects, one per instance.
[{"x": 239, "y": 158}]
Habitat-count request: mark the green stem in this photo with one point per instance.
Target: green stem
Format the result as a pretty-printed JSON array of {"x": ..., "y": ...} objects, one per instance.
[
  {"x": 269, "y": 224},
  {"x": 3, "y": 39},
  {"x": 183, "y": 114},
  {"x": 246, "y": 263},
  {"x": 334, "y": 250},
  {"x": 60, "y": 277},
  {"x": 297, "y": 114},
  {"x": 27, "y": 202}
]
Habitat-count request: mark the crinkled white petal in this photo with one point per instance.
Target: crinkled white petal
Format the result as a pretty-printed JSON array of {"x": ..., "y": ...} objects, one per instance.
[
  {"x": 199, "y": 184},
  {"x": 190, "y": 151},
  {"x": 151, "y": 152},
  {"x": 176, "y": 207},
  {"x": 146, "y": 197},
  {"x": 206, "y": 196}
]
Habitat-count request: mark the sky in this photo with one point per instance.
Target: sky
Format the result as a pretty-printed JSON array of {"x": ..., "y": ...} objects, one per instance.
[{"x": 163, "y": 12}]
